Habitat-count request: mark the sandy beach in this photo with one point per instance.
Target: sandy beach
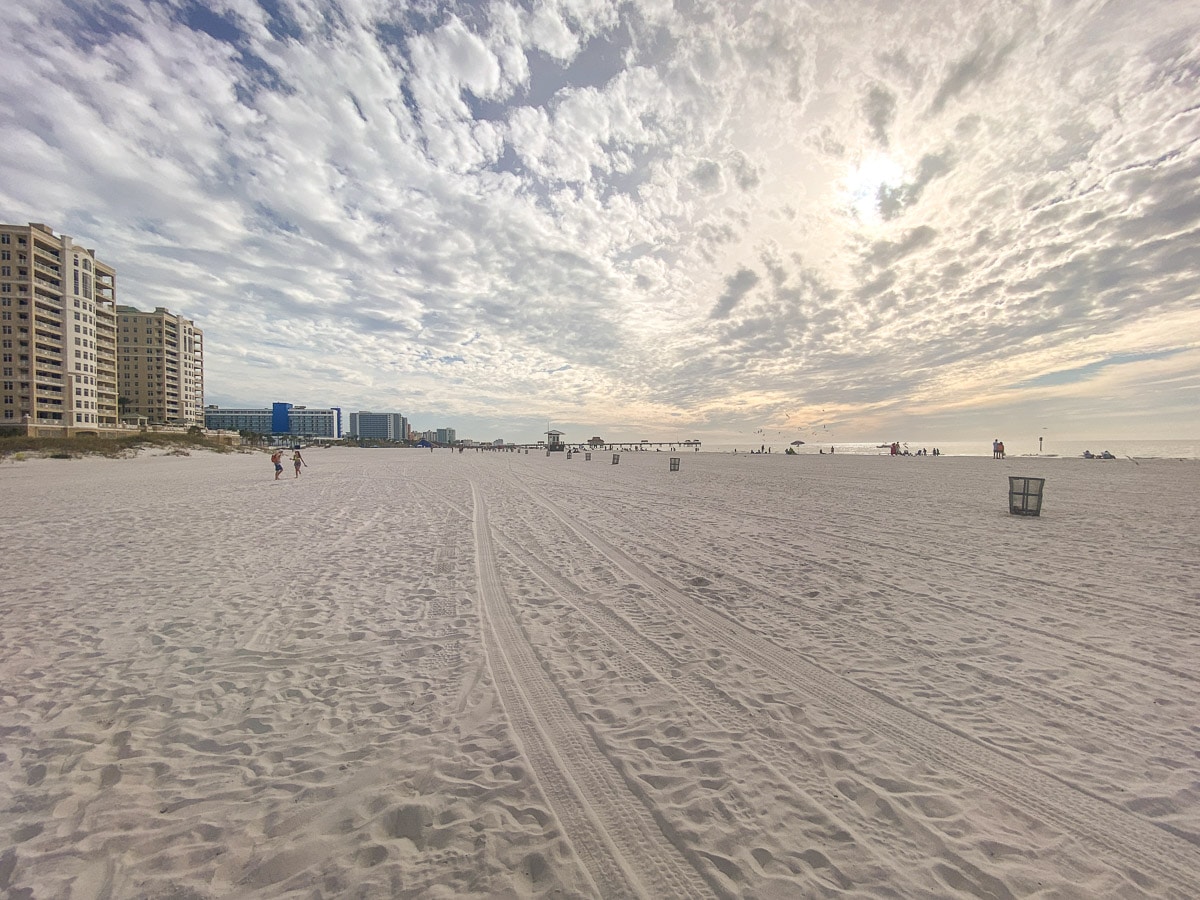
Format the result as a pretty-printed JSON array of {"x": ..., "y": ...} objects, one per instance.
[{"x": 415, "y": 674}]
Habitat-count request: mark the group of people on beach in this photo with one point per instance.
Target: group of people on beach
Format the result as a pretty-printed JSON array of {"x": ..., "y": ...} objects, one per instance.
[
  {"x": 997, "y": 449},
  {"x": 277, "y": 460},
  {"x": 895, "y": 450}
]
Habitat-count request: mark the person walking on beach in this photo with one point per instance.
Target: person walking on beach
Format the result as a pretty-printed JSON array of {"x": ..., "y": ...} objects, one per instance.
[
  {"x": 277, "y": 459},
  {"x": 298, "y": 461}
]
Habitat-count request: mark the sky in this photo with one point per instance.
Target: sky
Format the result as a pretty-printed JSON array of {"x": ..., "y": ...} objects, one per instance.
[{"x": 841, "y": 221}]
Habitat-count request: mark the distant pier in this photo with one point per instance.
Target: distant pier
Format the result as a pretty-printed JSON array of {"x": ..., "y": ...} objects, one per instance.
[{"x": 618, "y": 446}]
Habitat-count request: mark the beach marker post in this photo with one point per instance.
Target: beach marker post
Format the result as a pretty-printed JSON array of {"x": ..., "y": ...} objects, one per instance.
[
  {"x": 674, "y": 463},
  {"x": 1025, "y": 495}
]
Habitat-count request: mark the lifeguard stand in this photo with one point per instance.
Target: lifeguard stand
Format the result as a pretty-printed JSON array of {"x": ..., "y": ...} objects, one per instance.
[{"x": 554, "y": 441}]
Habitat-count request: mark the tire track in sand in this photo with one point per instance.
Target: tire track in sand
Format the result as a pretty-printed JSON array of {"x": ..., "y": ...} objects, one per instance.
[
  {"x": 802, "y": 772},
  {"x": 1133, "y": 844},
  {"x": 846, "y": 541},
  {"x": 620, "y": 843}
]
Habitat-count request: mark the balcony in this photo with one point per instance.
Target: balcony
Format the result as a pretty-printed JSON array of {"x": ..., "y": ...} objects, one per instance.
[{"x": 48, "y": 284}]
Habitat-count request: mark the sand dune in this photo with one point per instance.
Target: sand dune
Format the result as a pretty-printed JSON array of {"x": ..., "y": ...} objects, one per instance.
[{"x": 420, "y": 674}]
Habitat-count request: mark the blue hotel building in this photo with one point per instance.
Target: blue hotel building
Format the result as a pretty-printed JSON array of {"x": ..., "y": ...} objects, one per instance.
[{"x": 281, "y": 418}]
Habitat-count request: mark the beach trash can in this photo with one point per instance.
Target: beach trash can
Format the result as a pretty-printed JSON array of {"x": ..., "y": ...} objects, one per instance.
[
  {"x": 587, "y": 456},
  {"x": 674, "y": 463},
  {"x": 1025, "y": 495},
  {"x": 616, "y": 459}
]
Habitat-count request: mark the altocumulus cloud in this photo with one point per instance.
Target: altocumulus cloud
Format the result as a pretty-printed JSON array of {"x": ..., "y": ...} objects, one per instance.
[{"x": 715, "y": 216}]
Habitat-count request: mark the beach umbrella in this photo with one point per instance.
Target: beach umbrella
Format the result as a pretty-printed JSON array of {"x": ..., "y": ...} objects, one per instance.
[{"x": 797, "y": 443}]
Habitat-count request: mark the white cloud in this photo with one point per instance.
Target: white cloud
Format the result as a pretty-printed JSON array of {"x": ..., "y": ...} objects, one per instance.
[{"x": 706, "y": 213}]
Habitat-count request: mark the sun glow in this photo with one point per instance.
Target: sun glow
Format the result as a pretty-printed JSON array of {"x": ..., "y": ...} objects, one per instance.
[{"x": 866, "y": 183}]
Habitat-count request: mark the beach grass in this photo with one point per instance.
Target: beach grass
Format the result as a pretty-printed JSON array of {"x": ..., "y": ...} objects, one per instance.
[{"x": 19, "y": 446}]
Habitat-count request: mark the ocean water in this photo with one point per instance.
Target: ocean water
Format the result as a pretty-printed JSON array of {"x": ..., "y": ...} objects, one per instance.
[{"x": 1185, "y": 449}]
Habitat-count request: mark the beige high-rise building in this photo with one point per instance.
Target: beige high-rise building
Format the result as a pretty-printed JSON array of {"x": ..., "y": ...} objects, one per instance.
[
  {"x": 58, "y": 333},
  {"x": 161, "y": 367}
]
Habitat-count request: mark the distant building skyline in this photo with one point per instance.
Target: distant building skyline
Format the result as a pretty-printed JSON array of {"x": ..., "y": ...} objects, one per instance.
[{"x": 378, "y": 426}]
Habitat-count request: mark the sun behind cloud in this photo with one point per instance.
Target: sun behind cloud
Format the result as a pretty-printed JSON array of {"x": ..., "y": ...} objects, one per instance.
[{"x": 867, "y": 183}]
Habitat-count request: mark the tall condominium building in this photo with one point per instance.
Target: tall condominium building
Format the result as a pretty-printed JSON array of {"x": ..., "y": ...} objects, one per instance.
[
  {"x": 446, "y": 436},
  {"x": 58, "y": 333},
  {"x": 281, "y": 418},
  {"x": 161, "y": 367},
  {"x": 379, "y": 426}
]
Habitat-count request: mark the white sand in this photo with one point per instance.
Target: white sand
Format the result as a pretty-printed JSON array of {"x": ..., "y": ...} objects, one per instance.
[{"x": 420, "y": 674}]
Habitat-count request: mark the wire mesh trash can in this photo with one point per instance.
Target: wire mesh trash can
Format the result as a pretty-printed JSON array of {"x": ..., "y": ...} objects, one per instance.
[
  {"x": 616, "y": 458},
  {"x": 674, "y": 463},
  {"x": 1025, "y": 495}
]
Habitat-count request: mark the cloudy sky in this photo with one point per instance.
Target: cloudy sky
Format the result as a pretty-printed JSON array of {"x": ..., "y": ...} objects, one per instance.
[{"x": 657, "y": 219}]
